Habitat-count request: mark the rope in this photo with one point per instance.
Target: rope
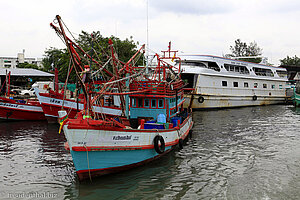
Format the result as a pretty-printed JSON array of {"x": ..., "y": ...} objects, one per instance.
[{"x": 88, "y": 162}]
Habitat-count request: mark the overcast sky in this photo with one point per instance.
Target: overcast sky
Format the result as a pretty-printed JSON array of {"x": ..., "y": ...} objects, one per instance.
[{"x": 193, "y": 26}]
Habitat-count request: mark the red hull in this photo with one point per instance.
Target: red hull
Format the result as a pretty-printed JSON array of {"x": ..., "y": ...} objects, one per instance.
[
  {"x": 19, "y": 114},
  {"x": 51, "y": 112}
]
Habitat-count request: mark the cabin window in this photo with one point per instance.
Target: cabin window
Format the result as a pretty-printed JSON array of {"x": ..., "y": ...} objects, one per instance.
[
  {"x": 280, "y": 86},
  {"x": 133, "y": 102},
  {"x": 264, "y": 85},
  {"x": 193, "y": 64},
  {"x": 140, "y": 103},
  {"x": 281, "y": 73},
  {"x": 153, "y": 103},
  {"x": 235, "y": 84},
  {"x": 273, "y": 86},
  {"x": 214, "y": 66},
  {"x": 236, "y": 68},
  {"x": 224, "y": 83},
  {"x": 246, "y": 84},
  {"x": 255, "y": 85},
  {"x": 262, "y": 71},
  {"x": 146, "y": 103},
  {"x": 160, "y": 103}
]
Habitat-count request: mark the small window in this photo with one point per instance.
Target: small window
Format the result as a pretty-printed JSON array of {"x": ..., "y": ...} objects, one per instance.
[
  {"x": 160, "y": 103},
  {"x": 224, "y": 83},
  {"x": 133, "y": 102},
  {"x": 153, "y": 103},
  {"x": 273, "y": 86},
  {"x": 140, "y": 103},
  {"x": 235, "y": 84},
  {"x": 246, "y": 84},
  {"x": 264, "y": 85},
  {"x": 146, "y": 103},
  {"x": 255, "y": 85},
  {"x": 280, "y": 86}
]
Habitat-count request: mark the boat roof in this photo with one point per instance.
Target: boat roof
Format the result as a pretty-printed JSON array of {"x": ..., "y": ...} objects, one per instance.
[
  {"x": 24, "y": 72},
  {"x": 211, "y": 58}
]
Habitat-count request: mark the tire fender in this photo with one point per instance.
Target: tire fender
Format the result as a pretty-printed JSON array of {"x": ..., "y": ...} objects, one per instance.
[{"x": 159, "y": 148}]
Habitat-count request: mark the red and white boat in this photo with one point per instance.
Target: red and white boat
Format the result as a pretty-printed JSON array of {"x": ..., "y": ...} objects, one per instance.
[
  {"x": 19, "y": 109},
  {"x": 11, "y": 109},
  {"x": 53, "y": 101}
]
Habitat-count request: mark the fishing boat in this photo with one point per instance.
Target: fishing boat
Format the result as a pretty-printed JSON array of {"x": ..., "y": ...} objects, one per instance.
[
  {"x": 19, "y": 109},
  {"x": 52, "y": 102},
  {"x": 217, "y": 82},
  {"x": 155, "y": 124}
]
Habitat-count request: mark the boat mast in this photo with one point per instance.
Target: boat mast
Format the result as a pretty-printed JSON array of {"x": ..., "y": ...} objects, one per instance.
[{"x": 74, "y": 61}]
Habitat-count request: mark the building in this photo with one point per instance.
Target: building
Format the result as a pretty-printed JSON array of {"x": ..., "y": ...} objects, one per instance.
[{"x": 12, "y": 62}]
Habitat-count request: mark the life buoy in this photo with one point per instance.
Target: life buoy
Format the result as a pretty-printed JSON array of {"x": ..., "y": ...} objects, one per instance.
[
  {"x": 159, "y": 148},
  {"x": 180, "y": 143},
  {"x": 254, "y": 98},
  {"x": 201, "y": 99}
]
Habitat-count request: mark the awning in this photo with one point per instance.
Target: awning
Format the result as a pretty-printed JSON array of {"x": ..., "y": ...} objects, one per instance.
[{"x": 24, "y": 72}]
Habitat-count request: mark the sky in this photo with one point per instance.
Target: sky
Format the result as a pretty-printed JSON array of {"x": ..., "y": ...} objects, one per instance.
[{"x": 193, "y": 26}]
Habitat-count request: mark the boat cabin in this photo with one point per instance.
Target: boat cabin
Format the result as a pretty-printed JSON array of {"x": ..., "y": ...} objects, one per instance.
[{"x": 156, "y": 107}]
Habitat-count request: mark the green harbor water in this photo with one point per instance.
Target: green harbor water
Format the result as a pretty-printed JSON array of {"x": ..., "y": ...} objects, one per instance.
[{"x": 243, "y": 153}]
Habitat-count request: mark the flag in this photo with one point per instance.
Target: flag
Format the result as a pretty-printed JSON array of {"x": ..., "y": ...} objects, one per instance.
[
  {"x": 173, "y": 58},
  {"x": 62, "y": 122}
]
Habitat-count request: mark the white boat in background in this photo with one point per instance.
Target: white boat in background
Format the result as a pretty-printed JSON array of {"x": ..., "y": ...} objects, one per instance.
[{"x": 217, "y": 82}]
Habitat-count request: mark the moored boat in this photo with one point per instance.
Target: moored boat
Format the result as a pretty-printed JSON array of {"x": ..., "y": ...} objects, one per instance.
[
  {"x": 22, "y": 109},
  {"x": 155, "y": 124},
  {"x": 217, "y": 82},
  {"x": 19, "y": 109},
  {"x": 51, "y": 102}
]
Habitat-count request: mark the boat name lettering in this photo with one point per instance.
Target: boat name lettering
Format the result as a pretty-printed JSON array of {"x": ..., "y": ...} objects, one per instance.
[
  {"x": 83, "y": 143},
  {"x": 54, "y": 101},
  {"x": 9, "y": 105},
  {"x": 135, "y": 138},
  {"x": 122, "y": 137}
]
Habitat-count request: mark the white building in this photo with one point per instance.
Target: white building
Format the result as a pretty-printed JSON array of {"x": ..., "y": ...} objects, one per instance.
[{"x": 12, "y": 62}]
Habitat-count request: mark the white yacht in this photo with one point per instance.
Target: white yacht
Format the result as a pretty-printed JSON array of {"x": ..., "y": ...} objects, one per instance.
[{"x": 218, "y": 82}]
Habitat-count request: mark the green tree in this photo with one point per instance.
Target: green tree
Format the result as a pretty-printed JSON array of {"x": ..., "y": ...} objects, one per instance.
[
  {"x": 242, "y": 49},
  {"x": 100, "y": 51},
  {"x": 291, "y": 61},
  {"x": 57, "y": 58},
  {"x": 27, "y": 65}
]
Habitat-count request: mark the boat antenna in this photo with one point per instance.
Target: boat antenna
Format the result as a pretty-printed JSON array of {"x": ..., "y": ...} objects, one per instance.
[{"x": 147, "y": 45}]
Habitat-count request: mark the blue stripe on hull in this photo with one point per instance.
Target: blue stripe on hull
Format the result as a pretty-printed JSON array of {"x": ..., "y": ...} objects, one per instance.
[{"x": 108, "y": 159}]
